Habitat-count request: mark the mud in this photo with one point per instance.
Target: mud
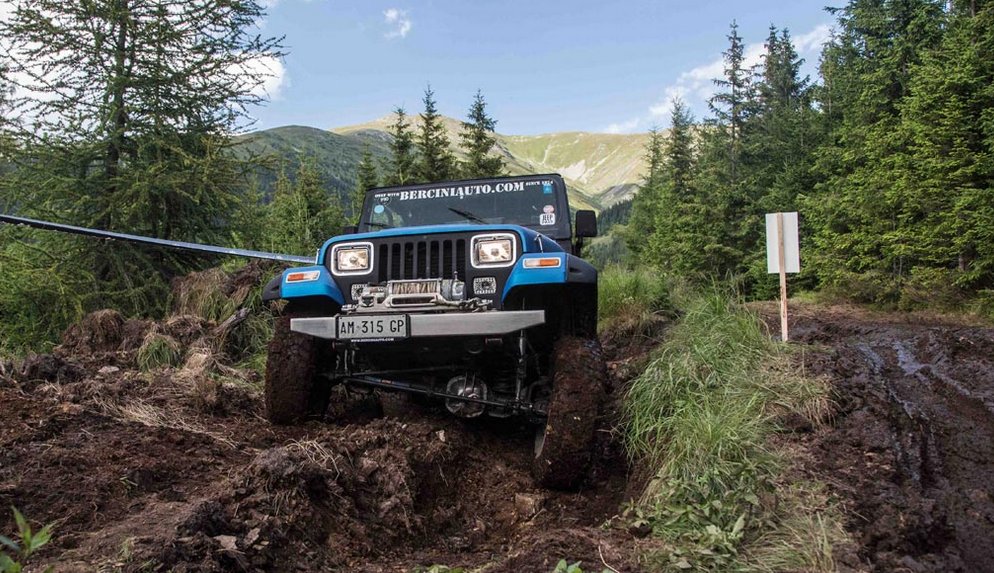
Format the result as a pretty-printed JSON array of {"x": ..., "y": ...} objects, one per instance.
[
  {"x": 911, "y": 449},
  {"x": 177, "y": 470},
  {"x": 135, "y": 475}
]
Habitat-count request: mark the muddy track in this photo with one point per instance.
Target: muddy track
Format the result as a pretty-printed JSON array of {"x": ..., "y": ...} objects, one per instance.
[
  {"x": 175, "y": 471},
  {"x": 179, "y": 471},
  {"x": 912, "y": 446}
]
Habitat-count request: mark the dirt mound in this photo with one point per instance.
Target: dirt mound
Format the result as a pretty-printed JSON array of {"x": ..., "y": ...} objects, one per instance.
[
  {"x": 155, "y": 478},
  {"x": 41, "y": 368},
  {"x": 327, "y": 501},
  {"x": 100, "y": 331},
  {"x": 212, "y": 292}
]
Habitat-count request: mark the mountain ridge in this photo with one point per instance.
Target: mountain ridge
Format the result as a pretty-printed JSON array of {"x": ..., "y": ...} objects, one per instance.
[
  {"x": 600, "y": 169},
  {"x": 603, "y": 168}
]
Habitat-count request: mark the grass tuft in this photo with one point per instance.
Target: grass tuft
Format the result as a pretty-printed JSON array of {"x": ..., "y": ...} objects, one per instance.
[
  {"x": 202, "y": 294},
  {"x": 631, "y": 301},
  {"x": 247, "y": 343},
  {"x": 158, "y": 350},
  {"x": 804, "y": 538},
  {"x": 698, "y": 422}
]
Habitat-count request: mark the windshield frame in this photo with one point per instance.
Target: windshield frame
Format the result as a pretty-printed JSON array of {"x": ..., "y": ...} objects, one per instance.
[{"x": 562, "y": 230}]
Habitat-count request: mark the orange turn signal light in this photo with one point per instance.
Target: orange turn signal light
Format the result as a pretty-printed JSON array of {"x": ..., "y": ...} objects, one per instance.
[
  {"x": 303, "y": 276},
  {"x": 543, "y": 263}
]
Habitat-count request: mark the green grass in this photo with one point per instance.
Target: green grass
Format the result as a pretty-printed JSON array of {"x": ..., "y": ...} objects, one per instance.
[
  {"x": 158, "y": 350},
  {"x": 803, "y": 539},
  {"x": 698, "y": 422},
  {"x": 630, "y": 300},
  {"x": 200, "y": 294},
  {"x": 16, "y": 551}
]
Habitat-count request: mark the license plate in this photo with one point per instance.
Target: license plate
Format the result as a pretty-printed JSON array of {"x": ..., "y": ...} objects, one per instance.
[{"x": 386, "y": 327}]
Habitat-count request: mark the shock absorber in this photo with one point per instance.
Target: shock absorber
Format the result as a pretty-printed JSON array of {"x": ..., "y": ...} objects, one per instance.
[{"x": 521, "y": 372}]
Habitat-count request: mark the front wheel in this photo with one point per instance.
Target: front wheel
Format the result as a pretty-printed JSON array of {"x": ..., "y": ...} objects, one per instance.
[
  {"x": 563, "y": 446},
  {"x": 294, "y": 391}
]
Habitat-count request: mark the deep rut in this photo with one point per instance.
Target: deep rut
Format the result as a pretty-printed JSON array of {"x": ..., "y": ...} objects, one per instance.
[{"x": 914, "y": 441}]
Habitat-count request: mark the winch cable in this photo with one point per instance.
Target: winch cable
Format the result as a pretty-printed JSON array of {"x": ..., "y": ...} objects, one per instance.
[{"x": 48, "y": 226}]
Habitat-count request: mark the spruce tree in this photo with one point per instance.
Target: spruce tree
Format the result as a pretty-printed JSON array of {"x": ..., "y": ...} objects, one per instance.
[
  {"x": 367, "y": 179},
  {"x": 435, "y": 160},
  {"x": 478, "y": 141},
  {"x": 723, "y": 157},
  {"x": 781, "y": 140},
  {"x": 401, "y": 167},
  {"x": 642, "y": 224},
  {"x": 682, "y": 219},
  {"x": 679, "y": 151},
  {"x": 129, "y": 106},
  {"x": 863, "y": 234},
  {"x": 732, "y": 105},
  {"x": 946, "y": 180},
  {"x": 302, "y": 216},
  {"x": 136, "y": 89}
]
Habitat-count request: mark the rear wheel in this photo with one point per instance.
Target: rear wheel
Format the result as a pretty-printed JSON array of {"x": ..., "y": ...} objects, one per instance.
[
  {"x": 294, "y": 391},
  {"x": 564, "y": 445}
]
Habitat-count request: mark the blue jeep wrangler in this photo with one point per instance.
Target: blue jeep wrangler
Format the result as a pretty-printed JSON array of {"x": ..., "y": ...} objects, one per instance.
[{"x": 468, "y": 292}]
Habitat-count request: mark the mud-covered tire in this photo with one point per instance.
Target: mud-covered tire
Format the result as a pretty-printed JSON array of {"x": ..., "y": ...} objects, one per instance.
[
  {"x": 564, "y": 446},
  {"x": 293, "y": 390}
]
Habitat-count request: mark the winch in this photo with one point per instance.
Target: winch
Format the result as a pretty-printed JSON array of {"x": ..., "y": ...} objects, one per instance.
[{"x": 416, "y": 294}]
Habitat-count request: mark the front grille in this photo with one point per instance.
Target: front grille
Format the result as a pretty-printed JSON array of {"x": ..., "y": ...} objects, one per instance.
[
  {"x": 425, "y": 256},
  {"x": 435, "y": 259}
]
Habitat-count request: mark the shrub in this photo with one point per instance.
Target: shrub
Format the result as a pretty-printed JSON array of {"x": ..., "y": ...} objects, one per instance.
[
  {"x": 931, "y": 289},
  {"x": 565, "y": 567}
]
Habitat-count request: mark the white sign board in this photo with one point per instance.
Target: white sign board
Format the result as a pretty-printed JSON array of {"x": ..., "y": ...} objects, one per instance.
[{"x": 791, "y": 246}]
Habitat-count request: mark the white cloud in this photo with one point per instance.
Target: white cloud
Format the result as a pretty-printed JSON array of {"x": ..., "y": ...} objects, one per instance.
[
  {"x": 398, "y": 21},
  {"x": 662, "y": 108},
  {"x": 813, "y": 40},
  {"x": 696, "y": 85},
  {"x": 274, "y": 73},
  {"x": 624, "y": 126}
]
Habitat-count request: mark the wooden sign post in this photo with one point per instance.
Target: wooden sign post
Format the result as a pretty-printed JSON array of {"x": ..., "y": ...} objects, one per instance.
[{"x": 782, "y": 256}]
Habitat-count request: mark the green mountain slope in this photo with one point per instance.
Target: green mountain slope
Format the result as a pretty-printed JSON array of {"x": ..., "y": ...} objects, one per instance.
[
  {"x": 600, "y": 169},
  {"x": 604, "y": 166},
  {"x": 337, "y": 156}
]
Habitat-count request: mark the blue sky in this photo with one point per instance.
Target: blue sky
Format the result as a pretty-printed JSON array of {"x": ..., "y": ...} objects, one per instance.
[{"x": 543, "y": 66}]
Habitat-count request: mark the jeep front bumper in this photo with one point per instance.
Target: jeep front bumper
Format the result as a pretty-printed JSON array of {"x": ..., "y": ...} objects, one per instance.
[{"x": 492, "y": 323}]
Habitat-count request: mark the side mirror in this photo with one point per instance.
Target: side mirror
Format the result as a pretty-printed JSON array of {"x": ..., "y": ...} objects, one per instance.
[
  {"x": 350, "y": 229},
  {"x": 586, "y": 224}
]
